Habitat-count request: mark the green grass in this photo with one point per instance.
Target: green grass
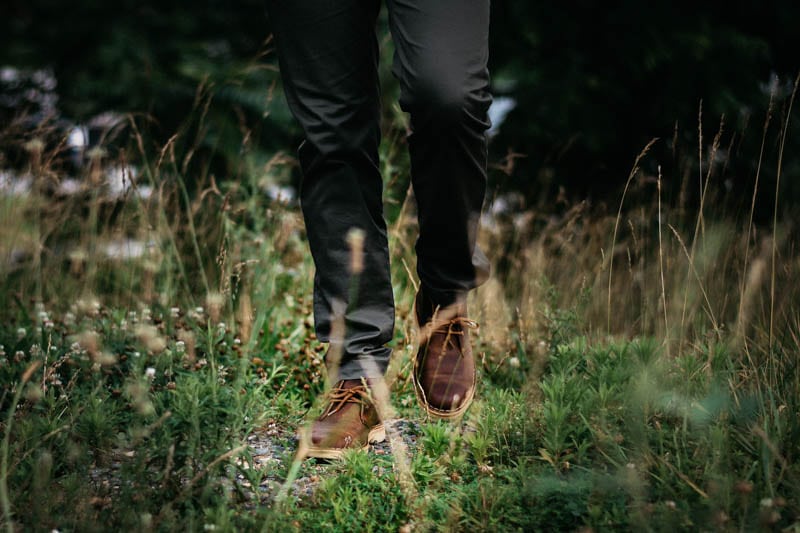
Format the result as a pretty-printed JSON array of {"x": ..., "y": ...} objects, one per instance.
[
  {"x": 657, "y": 392},
  {"x": 612, "y": 435}
]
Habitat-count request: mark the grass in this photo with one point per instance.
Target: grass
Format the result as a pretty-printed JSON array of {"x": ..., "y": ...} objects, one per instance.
[{"x": 637, "y": 371}]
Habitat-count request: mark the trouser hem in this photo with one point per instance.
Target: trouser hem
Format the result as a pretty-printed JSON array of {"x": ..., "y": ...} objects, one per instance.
[{"x": 370, "y": 366}]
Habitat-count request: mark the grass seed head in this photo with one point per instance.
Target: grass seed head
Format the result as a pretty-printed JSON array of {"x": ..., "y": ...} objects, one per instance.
[
  {"x": 215, "y": 302},
  {"x": 151, "y": 338}
]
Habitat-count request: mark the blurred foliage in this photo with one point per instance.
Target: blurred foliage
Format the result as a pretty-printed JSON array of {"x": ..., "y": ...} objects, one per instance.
[
  {"x": 593, "y": 83},
  {"x": 193, "y": 69}
]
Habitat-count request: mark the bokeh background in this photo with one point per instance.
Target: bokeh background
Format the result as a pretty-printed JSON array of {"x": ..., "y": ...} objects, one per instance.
[{"x": 581, "y": 87}]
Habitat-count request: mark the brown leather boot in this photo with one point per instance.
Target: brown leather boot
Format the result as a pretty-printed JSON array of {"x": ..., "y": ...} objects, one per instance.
[
  {"x": 349, "y": 421},
  {"x": 444, "y": 368}
]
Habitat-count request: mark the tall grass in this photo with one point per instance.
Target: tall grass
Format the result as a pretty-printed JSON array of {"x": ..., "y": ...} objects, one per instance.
[{"x": 638, "y": 365}]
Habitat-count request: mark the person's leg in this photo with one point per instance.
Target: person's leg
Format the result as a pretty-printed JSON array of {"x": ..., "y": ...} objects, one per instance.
[
  {"x": 328, "y": 56},
  {"x": 440, "y": 61},
  {"x": 441, "y": 64}
]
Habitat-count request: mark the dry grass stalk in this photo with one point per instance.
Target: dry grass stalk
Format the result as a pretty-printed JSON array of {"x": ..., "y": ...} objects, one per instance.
[{"x": 633, "y": 173}]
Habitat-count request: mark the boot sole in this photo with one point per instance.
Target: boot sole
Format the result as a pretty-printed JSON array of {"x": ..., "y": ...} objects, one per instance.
[
  {"x": 441, "y": 414},
  {"x": 376, "y": 435}
]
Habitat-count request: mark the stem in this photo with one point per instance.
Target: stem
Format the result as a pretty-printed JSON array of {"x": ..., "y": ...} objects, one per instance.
[
  {"x": 661, "y": 266},
  {"x": 4, "y": 499},
  {"x": 775, "y": 212}
]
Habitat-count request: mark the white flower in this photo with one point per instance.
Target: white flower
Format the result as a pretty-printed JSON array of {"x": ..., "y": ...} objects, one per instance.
[
  {"x": 150, "y": 373},
  {"x": 514, "y": 362},
  {"x": 21, "y": 332}
]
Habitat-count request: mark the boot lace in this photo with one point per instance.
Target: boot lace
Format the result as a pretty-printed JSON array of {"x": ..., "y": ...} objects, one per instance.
[
  {"x": 339, "y": 396},
  {"x": 454, "y": 327}
]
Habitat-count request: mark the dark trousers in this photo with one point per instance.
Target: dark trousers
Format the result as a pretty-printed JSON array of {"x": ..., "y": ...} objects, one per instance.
[{"x": 328, "y": 54}]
